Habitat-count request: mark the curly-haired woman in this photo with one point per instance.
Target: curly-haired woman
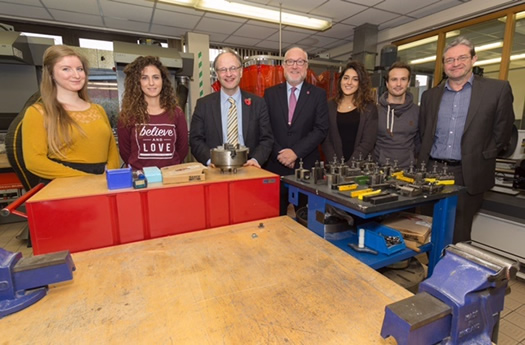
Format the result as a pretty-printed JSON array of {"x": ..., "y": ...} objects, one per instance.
[
  {"x": 352, "y": 116},
  {"x": 152, "y": 129}
]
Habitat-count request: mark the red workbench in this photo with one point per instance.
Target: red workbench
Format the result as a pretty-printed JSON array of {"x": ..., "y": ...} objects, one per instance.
[{"x": 80, "y": 213}]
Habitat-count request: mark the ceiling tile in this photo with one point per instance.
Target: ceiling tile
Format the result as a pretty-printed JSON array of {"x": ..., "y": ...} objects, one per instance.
[
  {"x": 255, "y": 31},
  {"x": 214, "y": 37},
  {"x": 211, "y": 25},
  {"x": 433, "y": 8},
  {"x": 126, "y": 11},
  {"x": 338, "y": 31},
  {"x": 167, "y": 30},
  {"x": 143, "y": 3},
  {"x": 266, "y": 44},
  {"x": 369, "y": 3},
  {"x": 77, "y": 18},
  {"x": 15, "y": 10},
  {"x": 370, "y": 16},
  {"x": 180, "y": 9},
  {"x": 289, "y": 36},
  {"x": 181, "y": 20},
  {"x": 121, "y": 24},
  {"x": 84, "y": 6},
  {"x": 404, "y": 6},
  {"x": 338, "y": 10},
  {"x": 36, "y": 3},
  {"x": 240, "y": 41},
  {"x": 396, "y": 22},
  {"x": 303, "y": 6}
]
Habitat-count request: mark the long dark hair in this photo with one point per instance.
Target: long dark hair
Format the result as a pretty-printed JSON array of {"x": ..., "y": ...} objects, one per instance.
[{"x": 363, "y": 95}]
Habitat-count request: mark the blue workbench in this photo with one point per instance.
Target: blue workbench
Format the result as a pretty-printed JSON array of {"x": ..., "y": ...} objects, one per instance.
[{"x": 321, "y": 195}]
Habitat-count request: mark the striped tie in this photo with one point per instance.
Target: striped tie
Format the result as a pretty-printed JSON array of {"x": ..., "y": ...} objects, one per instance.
[{"x": 233, "y": 135}]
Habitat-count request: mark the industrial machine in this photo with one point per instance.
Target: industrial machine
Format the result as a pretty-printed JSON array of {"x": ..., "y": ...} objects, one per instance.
[
  {"x": 503, "y": 206},
  {"x": 228, "y": 157},
  {"x": 459, "y": 304},
  {"x": 24, "y": 281}
]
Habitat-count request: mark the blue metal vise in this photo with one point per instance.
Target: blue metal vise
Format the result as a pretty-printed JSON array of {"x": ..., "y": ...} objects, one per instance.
[
  {"x": 459, "y": 304},
  {"x": 24, "y": 281}
]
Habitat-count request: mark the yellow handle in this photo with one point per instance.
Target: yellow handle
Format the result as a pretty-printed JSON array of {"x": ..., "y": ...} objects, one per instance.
[
  {"x": 375, "y": 192},
  {"x": 356, "y": 193},
  {"x": 348, "y": 187}
]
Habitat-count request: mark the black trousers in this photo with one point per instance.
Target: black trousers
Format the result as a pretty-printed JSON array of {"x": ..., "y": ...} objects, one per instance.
[{"x": 468, "y": 206}]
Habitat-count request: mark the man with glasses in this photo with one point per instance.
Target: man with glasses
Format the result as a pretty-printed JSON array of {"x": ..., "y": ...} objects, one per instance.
[
  {"x": 231, "y": 116},
  {"x": 465, "y": 121},
  {"x": 299, "y": 118}
]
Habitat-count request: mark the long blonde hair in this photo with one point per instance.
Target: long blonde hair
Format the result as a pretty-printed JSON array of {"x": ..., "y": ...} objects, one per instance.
[{"x": 56, "y": 119}]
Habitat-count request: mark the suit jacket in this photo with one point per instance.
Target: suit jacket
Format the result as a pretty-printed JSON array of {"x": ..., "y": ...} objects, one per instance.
[
  {"x": 487, "y": 129},
  {"x": 307, "y": 130},
  {"x": 365, "y": 139},
  {"x": 206, "y": 127}
]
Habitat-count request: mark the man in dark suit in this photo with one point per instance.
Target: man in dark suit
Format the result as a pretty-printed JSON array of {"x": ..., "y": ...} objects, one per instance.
[
  {"x": 299, "y": 118},
  {"x": 251, "y": 126},
  {"x": 465, "y": 122}
]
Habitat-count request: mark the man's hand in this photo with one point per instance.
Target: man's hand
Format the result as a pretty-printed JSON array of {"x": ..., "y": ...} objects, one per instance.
[
  {"x": 287, "y": 158},
  {"x": 252, "y": 162}
]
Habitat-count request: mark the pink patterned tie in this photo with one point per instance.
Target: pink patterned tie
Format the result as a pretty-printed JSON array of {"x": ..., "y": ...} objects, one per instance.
[{"x": 291, "y": 105}]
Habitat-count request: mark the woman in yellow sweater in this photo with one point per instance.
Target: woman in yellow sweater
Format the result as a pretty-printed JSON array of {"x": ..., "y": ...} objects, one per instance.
[{"x": 64, "y": 135}]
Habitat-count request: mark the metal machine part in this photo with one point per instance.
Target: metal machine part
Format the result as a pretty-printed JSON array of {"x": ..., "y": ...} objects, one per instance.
[
  {"x": 459, "y": 304},
  {"x": 229, "y": 157},
  {"x": 24, "y": 281}
]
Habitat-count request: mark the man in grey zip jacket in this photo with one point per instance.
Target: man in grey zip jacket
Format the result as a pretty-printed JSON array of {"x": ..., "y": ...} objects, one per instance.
[{"x": 398, "y": 132}]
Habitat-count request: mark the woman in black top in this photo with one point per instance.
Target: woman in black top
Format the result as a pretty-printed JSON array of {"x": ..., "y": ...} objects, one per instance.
[{"x": 352, "y": 115}]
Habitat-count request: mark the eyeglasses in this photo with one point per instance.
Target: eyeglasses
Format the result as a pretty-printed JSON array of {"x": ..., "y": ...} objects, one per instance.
[
  {"x": 232, "y": 69},
  {"x": 299, "y": 62},
  {"x": 462, "y": 58}
]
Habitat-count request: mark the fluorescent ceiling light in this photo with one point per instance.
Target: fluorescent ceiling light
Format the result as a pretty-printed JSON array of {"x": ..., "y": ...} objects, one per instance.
[
  {"x": 263, "y": 13},
  {"x": 426, "y": 40},
  {"x": 481, "y": 48},
  {"x": 498, "y": 60},
  {"x": 422, "y": 60},
  {"x": 489, "y": 46}
]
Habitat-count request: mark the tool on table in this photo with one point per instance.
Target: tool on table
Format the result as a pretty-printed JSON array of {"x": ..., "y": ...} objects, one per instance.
[
  {"x": 229, "y": 157},
  {"x": 459, "y": 304},
  {"x": 24, "y": 281}
]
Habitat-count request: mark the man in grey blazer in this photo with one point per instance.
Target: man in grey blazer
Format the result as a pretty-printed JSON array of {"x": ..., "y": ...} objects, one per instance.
[
  {"x": 465, "y": 122},
  {"x": 209, "y": 123},
  {"x": 297, "y": 132}
]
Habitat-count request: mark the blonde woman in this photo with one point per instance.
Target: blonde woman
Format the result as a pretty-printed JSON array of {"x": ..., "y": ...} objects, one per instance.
[{"x": 63, "y": 134}]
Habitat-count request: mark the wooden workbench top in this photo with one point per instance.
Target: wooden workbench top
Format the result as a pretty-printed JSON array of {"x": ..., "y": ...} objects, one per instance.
[
  {"x": 240, "y": 284},
  {"x": 72, "y": 187}
]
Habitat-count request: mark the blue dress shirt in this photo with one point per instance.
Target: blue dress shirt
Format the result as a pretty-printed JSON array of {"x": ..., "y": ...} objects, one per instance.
[{"x": 452, "y": 115}]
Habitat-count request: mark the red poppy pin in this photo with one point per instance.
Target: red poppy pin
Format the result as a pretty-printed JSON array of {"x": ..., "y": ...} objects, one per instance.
[{"x": 248, "y": 101}]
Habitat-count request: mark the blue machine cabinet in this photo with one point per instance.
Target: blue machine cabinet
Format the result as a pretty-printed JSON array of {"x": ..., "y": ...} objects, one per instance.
[{"x": 319, "y": 196}]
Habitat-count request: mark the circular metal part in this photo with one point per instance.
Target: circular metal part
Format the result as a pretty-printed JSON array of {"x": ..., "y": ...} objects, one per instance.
[{"x": 228, "y": 157}]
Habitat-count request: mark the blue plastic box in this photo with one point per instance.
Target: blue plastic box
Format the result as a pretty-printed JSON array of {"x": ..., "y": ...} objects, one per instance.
[
  {"x": 374, "y": 238},
  {"x": 152, "y": 174},
  {"x": 119, "y": 178}
]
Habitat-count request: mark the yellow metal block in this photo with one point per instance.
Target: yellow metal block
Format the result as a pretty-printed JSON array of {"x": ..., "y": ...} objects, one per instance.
[
  {"x": 356, "y": 193},
  {"x": 375, "y": 192}
]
